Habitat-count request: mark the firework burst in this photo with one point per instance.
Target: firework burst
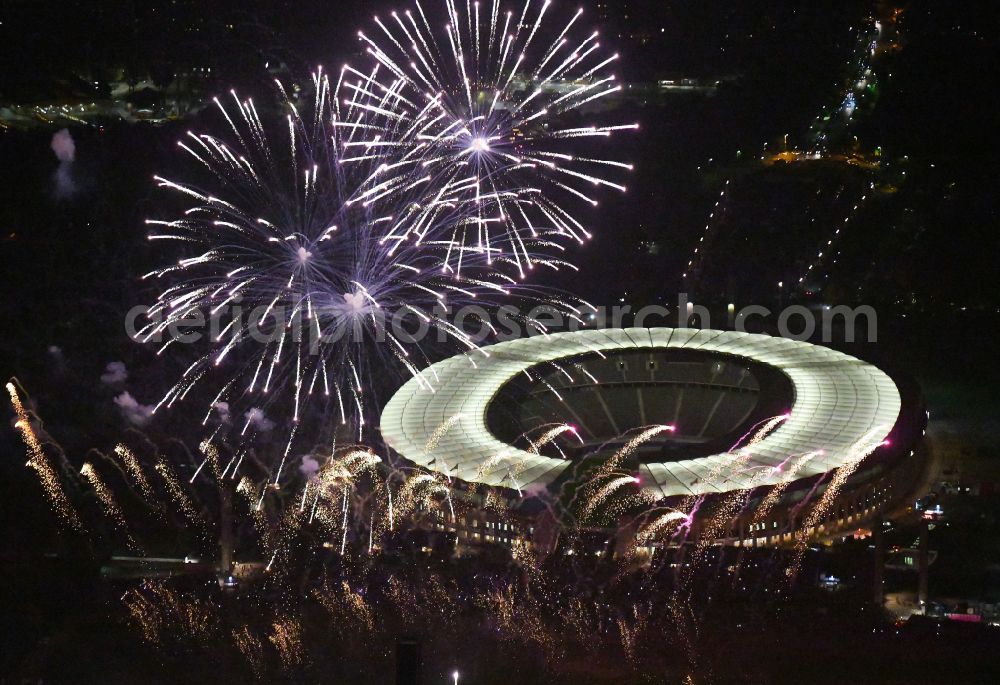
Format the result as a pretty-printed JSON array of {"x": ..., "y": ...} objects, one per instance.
[
  {"x": 315, "y": 249},
  {"x": 286, "y": 237},
  {"x": 313, "y": 273},
  {"x": 489, "y": 102}
]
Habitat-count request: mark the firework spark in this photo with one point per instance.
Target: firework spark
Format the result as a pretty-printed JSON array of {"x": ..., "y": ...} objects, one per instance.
[{"x": 550, "y": 435}]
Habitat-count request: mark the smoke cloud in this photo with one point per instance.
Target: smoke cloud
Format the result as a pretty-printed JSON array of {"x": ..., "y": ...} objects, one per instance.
[
  {"x": 65, "y": 151},
  {"x": 223, "y": 410},
  {"x": 63, "y": 146},
  {"x": 114, "y": 372},
  {"x": 309, "y": 466},
  {"x": 259, "y": 420},
  {"x": 134, "y": 412}
]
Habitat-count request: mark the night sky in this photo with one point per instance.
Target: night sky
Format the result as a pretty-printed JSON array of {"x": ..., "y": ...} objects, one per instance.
[{"x": 839, "y": 152}]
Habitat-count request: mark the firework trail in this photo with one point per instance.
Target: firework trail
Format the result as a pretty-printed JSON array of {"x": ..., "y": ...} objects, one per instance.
[
  {"x": 357, "y": 462},
  {"x": 731, "y": 505},
  {"x": 255, "y": 505},
  {"x": 775, "y": 493},
  {"x": 581, "y": 624},
  {"x": 526, "y": 556},
  {"x": 520, "y": 619},
  {"x": 178, "y": 494},
  {"x": 418, "y": 490},
  {"x": 858, "y": 452},
  {"x": 211, "y": 458},
  {"x": 286, "y": 636},
  {"x": 107, "y": 500},
  {"x": 605, "y": 480},
  {"x": 349, "y": 610},
  {"x": 742, "y": 455},
  {"x": 687, "y": 627},
  {"x": 39, "y": 463},
  {"x": 550, "y": 435},
  {"x": 651, "y": 526},
  {"x": 440, "y": 432},
  {"x": 736, "y": 501},
  {"x": 251, "y": 648},
  {"x": 659, "y": 524},
  {"x": 135, "y": 470},
  {"x": 772, "y": 497},
  {"x": 479, "y": 99},
  {"x": 631, "y": 446},
  {"x": 680, "y": 604},
  {"x": 162, "y": 614},
  {"x": 343, "y": 540},
  {"x": 331, "y": 487},
  {"x": 604, "y": 492},
  {"x": 514, "y": 467},
  {"x": 493, "y": 463},
  {"x": 494, "y": 501},
  {"x": 631, "y": 633},
  {"x": 438, "y": 435},
  {"x": 761, "y": 433}
]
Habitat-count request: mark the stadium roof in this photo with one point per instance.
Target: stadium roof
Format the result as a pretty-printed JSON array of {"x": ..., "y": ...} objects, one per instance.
[{"x": 840, "y": 402}]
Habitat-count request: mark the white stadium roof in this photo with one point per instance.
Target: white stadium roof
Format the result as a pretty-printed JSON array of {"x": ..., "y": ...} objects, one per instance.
[{"x": 839, "y": 401}]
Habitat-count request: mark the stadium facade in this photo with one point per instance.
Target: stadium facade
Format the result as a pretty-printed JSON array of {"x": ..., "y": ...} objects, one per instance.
[{"x": 715, "y": 388}]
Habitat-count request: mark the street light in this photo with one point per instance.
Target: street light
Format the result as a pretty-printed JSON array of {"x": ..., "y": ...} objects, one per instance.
[{"x": 454, "y": 677}]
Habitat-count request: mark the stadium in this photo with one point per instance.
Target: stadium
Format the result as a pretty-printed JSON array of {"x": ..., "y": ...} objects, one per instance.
[{"x": 713, "y": 387}]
